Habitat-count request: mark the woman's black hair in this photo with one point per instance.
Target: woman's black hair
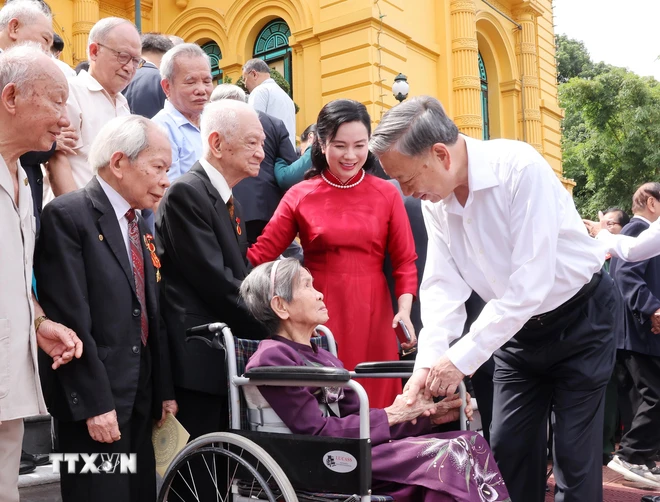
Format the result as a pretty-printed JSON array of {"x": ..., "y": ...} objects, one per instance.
[{"x": 331, "y": 117}]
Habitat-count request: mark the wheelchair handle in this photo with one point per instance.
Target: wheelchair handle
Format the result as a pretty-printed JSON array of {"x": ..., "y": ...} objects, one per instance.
[{"x": 205, "y": 329}]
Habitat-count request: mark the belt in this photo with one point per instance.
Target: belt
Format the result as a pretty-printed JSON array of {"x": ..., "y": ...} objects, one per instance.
[
  {"x": 266, "y": 420},
  {"x": 578, "y": 299}
]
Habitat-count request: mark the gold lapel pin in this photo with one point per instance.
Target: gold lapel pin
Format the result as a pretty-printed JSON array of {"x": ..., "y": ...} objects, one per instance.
[
  {"x": 100, "y": 237},
  {"x": 25, "y": 181}
]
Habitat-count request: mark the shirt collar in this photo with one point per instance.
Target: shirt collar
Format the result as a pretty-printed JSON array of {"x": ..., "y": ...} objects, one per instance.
[
  {"x": 91, "y": 83},
  {"x": 177, "y": 116},
  {"x": 217, "y": 180},
  {"x": 118, "y": 203},
  {"x": 641, "y": 218}
]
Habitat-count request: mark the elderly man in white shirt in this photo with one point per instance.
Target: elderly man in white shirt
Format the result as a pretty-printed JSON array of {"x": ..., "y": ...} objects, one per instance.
[
  {"x": 501, "y": 224},
  {"x": 95, "y": 98},
  {"x": 267, "y": 96}
]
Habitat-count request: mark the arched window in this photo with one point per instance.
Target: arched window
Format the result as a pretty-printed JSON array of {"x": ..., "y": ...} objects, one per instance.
[
  {"x": 272, "y": 46},
  {"x": 215, "y": 55},
  {"x": 484, "y": 97}
]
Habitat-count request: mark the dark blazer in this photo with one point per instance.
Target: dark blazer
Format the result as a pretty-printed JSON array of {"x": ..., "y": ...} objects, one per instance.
[
  {"x": 144, "y": 94},
  {"x": 639, "y": 284},
  {"x": 31, "y": 163},
  {"x": 259, "y": 196},
  {"x": 203, "y": 263},
  {"x": 85, "y": 281}
]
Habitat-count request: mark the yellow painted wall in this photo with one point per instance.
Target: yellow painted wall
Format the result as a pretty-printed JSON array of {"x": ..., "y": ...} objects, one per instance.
[{"x": 355, "y": 48}]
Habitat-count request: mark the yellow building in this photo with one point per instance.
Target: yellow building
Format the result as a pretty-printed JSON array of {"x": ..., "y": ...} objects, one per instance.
[{"x": 491, "y": 63}]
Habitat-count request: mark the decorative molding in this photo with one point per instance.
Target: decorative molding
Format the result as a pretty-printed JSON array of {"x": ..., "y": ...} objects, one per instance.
[
  {"x": 469, "y": 121},
  {"x": 458, "y": 6},
  {"x": 467, "y": 82},
  {"x": 458, "y": 44}
]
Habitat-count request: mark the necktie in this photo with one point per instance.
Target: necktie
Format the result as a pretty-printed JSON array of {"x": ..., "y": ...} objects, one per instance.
[
  {"x": 138, "y": 270},
  {"x": 232, "y": 215}
]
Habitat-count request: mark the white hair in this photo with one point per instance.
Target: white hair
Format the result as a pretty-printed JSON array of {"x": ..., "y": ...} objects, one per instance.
[
  {"x": 21, "y": 64},
  {"x": 221, "y": 117},
  {"x": 168, "y": 63},
  {"x": 26, "y": 11},
  {"x": 128, "y": 134},
  {"x": 101, "y": 30},
  {"x": 228, "y": 91}
]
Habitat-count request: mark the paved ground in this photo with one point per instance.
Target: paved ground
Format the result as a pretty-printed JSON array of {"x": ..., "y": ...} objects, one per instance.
[{"x": 42, "y": 493}]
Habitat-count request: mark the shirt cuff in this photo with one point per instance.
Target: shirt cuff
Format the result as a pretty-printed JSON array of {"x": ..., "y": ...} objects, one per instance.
[{"x": 467, "y": 356}]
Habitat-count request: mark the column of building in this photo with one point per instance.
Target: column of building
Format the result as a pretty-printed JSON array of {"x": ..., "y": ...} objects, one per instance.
[
  {"x": 465, "y": 63},
  {"x": 85, "y": 14}
]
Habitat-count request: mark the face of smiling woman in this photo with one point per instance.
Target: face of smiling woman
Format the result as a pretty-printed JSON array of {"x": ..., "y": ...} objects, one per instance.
[{"x": 347, "y": 152}]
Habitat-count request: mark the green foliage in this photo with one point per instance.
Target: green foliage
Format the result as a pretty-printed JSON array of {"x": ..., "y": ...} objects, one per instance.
[{"x": 227, "y": 80}]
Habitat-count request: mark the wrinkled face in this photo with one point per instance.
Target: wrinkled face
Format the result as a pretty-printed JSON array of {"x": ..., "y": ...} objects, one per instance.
[
  {"x": 40, "y": 32},
  {"x": 250, "y": 80},
  {"x": 191, "y": 85},
  {"x": 40, "y": 107},
  {"x": 347, "y": 152},
  {"x": 307, "y": 307},
  {"x": 143, "y": 181},
  {"x": 104, "y": 65},
  {"x": 425, "y": 176},
  {"x": 243, "y": 151}
]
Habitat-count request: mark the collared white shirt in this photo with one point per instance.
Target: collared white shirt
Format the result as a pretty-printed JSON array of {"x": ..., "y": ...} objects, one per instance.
[
  {"x": 643, "y": 247},
  {"x": 269, "y": 98},
  {"x": 185, "y": 137},
  {"x": 89, "y": 108},
  {"x": 519, "y": 243},
  {"x": 120, "y": 206},
  {"x": 217, "y": 180},
  {"x": 66, "y": 69}
]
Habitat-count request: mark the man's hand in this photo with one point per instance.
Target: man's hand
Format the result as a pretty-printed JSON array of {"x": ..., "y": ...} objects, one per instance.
[
  {"x": 448, "y": 410},
  {"x": 443, "y": 378},
  {"x": 66, "y": 141},
  {"x": 655, "y": 322},
  {"x": 416, "y": 383},
  {"x": 594, "y": 227},
  {"x": 59, "y": 342},
  {"x": 169, "y": 406},
  {"x": 104, "y": 428}
]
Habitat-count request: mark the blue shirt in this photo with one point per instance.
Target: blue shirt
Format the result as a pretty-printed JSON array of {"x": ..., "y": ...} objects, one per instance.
[{"x": 186, "y": 140}]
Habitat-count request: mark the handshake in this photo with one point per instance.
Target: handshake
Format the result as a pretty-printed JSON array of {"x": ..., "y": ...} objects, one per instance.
[{"x": 447, "y": 410}]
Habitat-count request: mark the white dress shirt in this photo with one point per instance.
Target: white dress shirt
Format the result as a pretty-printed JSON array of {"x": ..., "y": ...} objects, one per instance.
[
  {"x": 269, "y": 98},
  {"x": 643, "y": 247},
  {"x": 120, "y": 207},
  {"x": 519, "y": 243},
  {"x": 217, "y": 180}
]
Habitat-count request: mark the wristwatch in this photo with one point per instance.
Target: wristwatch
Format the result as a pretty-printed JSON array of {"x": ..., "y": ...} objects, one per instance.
[{"x": 38, "y": 321}]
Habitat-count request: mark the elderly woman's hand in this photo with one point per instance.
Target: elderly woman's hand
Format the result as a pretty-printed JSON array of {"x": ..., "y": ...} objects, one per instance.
[
  {"x": 400, "y": 411},
  {"x": 448, "y": 410}
]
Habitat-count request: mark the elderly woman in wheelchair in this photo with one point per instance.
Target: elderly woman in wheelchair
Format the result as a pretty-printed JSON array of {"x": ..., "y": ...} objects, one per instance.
[{"x": 409, "y": 461}]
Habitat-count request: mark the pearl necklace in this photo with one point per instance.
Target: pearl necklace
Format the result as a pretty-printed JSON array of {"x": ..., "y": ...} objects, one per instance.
[{"x": 343, "y": 186}]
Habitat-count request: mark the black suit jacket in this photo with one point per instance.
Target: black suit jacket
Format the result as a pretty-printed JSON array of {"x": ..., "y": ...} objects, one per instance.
[
  {"x": 85, "y": 281},
  {"x": 144, "y": 94},
  {"x": 639, "y": 284},
  {"x": 259, "y": 196},
  {"x": 203, "y": 263}
]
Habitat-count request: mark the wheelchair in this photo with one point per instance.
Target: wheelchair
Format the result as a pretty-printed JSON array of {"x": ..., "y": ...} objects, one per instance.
[{"x": 259, "y": 459}]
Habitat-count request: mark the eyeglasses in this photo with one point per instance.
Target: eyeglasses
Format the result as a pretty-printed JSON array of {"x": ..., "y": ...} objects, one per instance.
[
  {"x": 612, "y": 223},
  {"x": 124, "y": 58}
]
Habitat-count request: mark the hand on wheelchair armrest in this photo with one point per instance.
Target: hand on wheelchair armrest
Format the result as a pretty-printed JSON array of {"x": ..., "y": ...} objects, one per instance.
[
  {"x": 298, "y": 374},
  {"x": 210, "y": 334},
  {"x": 375, "y": 368}
]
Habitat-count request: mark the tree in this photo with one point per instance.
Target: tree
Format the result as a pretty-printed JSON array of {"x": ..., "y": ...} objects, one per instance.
[{"x": 572, "y": 58}]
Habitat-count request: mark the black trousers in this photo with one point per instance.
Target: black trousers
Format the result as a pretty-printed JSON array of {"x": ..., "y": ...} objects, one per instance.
[
  {"x": 642, "y": 442},
  {"x": 560, "y": 366},
  {"x": 73, "y": 437}
]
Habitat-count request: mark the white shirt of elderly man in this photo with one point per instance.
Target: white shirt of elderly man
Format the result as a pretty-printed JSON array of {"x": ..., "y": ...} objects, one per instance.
[
  {"x": 187, "y": 83},
  {"x": 31, "y": 115},
  {"x": 114, "y": 53},
  {"x": 268, "y": 97}
]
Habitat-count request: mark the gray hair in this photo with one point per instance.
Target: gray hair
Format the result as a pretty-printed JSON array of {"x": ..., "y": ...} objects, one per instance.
[
  {"x": 256, "y": 290},
  {"x": 128, "y": 134},
  {"x": 228, "y": 91},
  {"x": 26, "y": 11},
  {"x": 168, "y": 63},
  {"x": 21, "y": 65},
  {"x": 156, "y": 42},
  {"x": 256, "y": 64},
  {"x": 101, "y": 30},
  {"x": 222, "y": 117},
  {"x": 413, "y": 127}
]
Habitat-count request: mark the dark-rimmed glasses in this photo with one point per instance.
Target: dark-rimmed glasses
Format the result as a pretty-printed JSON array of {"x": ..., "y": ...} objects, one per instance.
[{"x": 124, "y": 58}]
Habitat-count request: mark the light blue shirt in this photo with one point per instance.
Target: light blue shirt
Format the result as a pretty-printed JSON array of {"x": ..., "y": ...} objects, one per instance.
[{"x": 186, "y": 140}]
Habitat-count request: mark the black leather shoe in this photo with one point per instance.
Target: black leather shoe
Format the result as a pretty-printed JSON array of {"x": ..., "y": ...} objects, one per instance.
[
  {"x": 651, "y": 498},
  {"x": 607, "y": 457},
  {"x": 27, "y": 467},
  {"x": 37, "y": 458}
]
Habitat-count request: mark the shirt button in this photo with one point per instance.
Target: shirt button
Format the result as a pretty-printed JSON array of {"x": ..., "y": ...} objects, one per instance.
[
  {"x": 136, "y": 349},
  {"x": 136, "y": 312},
  {"x": 469, "y": 220},
  {"x": 493, "y": 281},
  {"x": 481, "y": 250},
  {"x": 73, "y": 394},
  {"x": 74, "y": 400}
]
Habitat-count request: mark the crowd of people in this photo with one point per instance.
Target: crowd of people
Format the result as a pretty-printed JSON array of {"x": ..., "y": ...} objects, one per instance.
[{"x": 138, "y": 199}]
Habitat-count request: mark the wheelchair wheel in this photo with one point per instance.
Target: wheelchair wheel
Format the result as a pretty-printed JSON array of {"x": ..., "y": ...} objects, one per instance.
[{"x": 225, "y": 467}]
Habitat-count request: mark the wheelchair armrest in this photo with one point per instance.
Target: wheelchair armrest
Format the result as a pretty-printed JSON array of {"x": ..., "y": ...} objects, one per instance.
[
  {"x": 376, "y": 368},
  {"x": 210, "y": 334},
  {"x": 297, "y": 374}
]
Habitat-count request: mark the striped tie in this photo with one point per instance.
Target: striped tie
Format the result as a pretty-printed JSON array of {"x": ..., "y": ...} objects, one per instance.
[{"x": 138, "y": 270}]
